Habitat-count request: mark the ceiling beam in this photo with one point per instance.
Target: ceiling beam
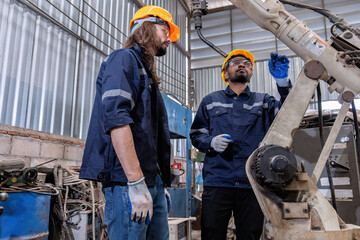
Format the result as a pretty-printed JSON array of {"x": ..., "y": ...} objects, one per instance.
[{"x": 220, "y": 9}]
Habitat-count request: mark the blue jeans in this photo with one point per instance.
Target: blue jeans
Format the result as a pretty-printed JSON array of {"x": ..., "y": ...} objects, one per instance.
[{"x": 117, "y": 217}]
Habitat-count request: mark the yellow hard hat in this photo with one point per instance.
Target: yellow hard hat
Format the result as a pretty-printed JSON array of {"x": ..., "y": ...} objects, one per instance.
[
  {"x": 234, "y": 53},
  {"x": 161, "y": 13}
]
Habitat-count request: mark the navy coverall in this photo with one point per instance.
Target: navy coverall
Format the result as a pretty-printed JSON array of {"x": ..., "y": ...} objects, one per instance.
[
  {"x": 125, "y": 94},
  {"x": 246, "y": 118}
]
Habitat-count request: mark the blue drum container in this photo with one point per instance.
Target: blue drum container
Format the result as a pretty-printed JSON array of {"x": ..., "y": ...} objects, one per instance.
[{"x": 25, "y": 216}]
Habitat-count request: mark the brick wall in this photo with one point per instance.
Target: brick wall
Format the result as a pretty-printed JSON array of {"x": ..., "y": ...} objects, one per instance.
[{"x": 38, "y": 147}]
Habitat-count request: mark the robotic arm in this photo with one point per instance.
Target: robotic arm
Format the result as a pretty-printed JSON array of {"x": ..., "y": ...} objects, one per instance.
[{"x": 293, "y": 206}]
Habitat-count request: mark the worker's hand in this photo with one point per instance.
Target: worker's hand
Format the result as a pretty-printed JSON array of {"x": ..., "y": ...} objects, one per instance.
[
  {"x": 141, "y": 203},
  {"x": 221, "y": 142},
  {"x": 168, "y": 199},
  {"x": 278, "y": 67}
]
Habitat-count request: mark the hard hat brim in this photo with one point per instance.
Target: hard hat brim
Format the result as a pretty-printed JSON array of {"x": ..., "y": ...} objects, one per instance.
[{"x": 174, "y": 32}]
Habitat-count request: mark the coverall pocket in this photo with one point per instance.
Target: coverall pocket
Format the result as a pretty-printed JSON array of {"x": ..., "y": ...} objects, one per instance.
[
  {"x": 254, "y": 116},
  {"x": 250, "y": 117},
  {"x": 216, "y": 112},
  {"x": 255, "y": 125},
  {"x": 219, "y": 121},
  {"x": 256, "y": 112}
]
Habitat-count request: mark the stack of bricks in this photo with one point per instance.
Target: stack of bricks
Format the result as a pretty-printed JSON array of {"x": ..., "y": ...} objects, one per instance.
[{"x": 36, "y": 147}]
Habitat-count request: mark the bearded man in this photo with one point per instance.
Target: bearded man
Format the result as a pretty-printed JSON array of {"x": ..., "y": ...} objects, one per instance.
[
  {"x": 128, "y": 142},
  {"x": 228, "y": 127}
]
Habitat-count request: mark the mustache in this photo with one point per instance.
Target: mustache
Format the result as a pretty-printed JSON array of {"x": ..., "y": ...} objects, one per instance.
[
  {"x": 167, "y": 42},
  {"x": 240, "y": 67}
]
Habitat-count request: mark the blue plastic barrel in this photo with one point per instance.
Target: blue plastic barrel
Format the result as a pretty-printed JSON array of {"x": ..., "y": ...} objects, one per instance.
[{"x": 25, "y": 216}]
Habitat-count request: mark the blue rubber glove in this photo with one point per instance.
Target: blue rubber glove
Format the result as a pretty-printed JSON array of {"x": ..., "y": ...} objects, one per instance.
[
  {"x": 221, "y": 142},
  {"x": 168, "y": 199},
  {"x": 278, "y": 67}
]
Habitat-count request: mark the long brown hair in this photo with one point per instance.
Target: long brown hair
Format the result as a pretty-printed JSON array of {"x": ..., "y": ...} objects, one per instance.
[{"x": 145, "y": 38}]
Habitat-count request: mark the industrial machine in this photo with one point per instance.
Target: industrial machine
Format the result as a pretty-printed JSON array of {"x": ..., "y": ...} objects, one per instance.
[
  {"x": 16, "y": 218},
  {"x": 71, "y": 208},
  {"x": 344, "y": 167},
  {"x": 13, "y": 172},
  {"x": 179, "y": 117},
  {"x": 293, "y": 206}
]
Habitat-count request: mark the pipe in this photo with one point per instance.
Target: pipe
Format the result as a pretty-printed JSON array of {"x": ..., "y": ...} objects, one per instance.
[
  {"x": 210, "y": 44},
  {"x": 16, "y": 163},
  {"x": 198, "y": 9}
]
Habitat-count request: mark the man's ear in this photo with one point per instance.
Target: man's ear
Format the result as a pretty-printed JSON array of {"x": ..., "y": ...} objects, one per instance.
[{"x": 226, "y": 75}]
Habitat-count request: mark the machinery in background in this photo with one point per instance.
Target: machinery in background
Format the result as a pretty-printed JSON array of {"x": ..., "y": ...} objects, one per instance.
[
  {"x": 199, "y": 8},
  {"x": 293, "y": 206},
  {"x": 77, "y": 211},
  {"x": 344, "y": 167},
  {"x": 179, "y": 117},
  {"x": 13, "y": 172},
  {"x": 62, "y": 206},
  {"x": 25, "y": 221},
  {"x": 181, "y": 210},
  {"x": 18, "y": 186},
  {"x": 179, "y": 228},
  {"x": 66, "y": 207},
  {"x": 176, "y": 171}
]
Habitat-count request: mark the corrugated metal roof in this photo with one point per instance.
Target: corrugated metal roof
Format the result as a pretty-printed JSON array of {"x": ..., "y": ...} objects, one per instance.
[{"x": 230, "y": 29}]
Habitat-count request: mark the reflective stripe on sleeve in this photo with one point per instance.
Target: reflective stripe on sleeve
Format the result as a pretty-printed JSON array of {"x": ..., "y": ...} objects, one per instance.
[
  {"x": 118, "y": 92},
  {"x": 142, "y": 72},
  {"x": 202, "y": 130}
]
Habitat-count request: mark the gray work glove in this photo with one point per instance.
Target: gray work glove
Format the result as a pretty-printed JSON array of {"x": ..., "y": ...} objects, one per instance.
[
  {"x": 168, "y": 199},
  {"x": 221, "y": 142},
  {"x": 141, "y": 203}
]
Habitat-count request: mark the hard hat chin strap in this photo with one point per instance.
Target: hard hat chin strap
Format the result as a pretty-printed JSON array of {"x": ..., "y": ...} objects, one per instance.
[{"x": 137, "y": 23}]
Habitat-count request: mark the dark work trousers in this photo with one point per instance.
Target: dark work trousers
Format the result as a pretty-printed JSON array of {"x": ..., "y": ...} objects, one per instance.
[{"x": 217, "y": 205}]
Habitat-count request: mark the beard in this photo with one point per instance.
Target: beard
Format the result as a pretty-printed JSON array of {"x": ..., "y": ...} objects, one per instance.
[
  {"x": 161, "y": 50},
  {"x": 239, "y": 78}
]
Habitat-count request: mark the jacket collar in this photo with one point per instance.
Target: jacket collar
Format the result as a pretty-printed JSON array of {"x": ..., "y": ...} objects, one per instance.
[
  {"x": 137, "y": 50},
  {"x": 230, "y": 92}
]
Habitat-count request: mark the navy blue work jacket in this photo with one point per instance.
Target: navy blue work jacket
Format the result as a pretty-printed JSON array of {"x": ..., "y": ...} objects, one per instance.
[
  {"x": 246, "y": 118},
  {"x": 125, "y": 95}
]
